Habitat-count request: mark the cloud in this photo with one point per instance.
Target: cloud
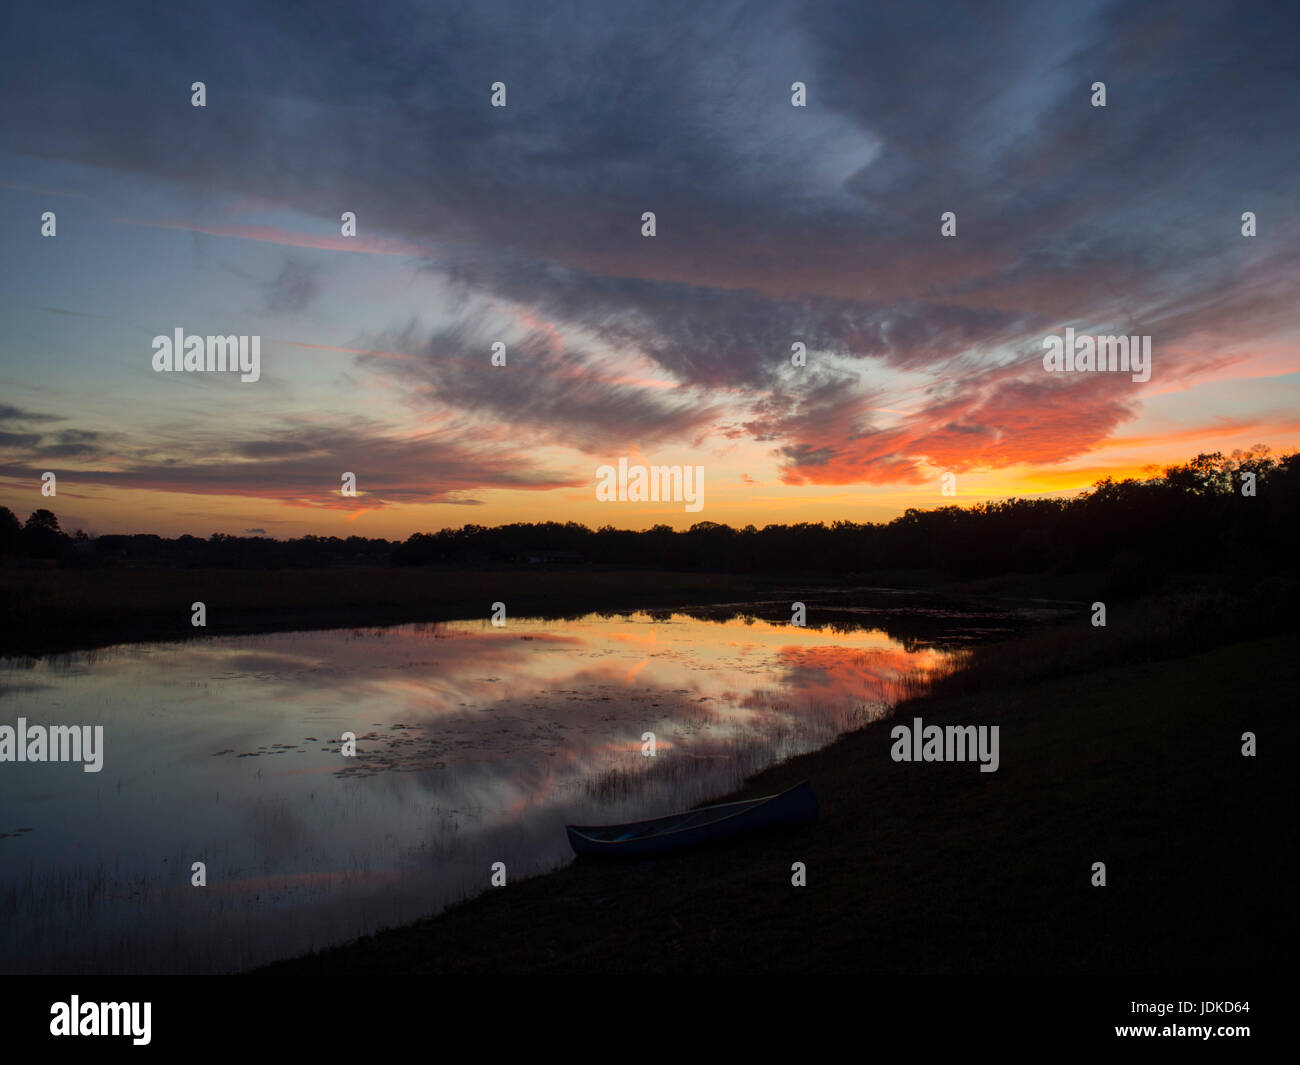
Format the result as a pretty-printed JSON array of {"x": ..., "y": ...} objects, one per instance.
[
  {"x": 294, "y": 288},
  {"x": 277, "y": 235},
  {"x": 71, "y": 443},
  {"x": 775, "y": 224},
  {"x": 70, "y": 314},
  {"x": 562, "y": 394},
  {"x": 299, "y": 464},
  {"x": 42, "y": 447},
  {"x": 10, "y": 413}
]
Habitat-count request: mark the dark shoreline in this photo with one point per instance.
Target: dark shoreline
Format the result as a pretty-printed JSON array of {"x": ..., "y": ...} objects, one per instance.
[
  {"x": 57, "y": 611},
  {"x": 937, "y": 868}
]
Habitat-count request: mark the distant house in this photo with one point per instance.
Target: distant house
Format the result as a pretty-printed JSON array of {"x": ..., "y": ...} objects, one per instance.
[{"x": 554, "y": 558}]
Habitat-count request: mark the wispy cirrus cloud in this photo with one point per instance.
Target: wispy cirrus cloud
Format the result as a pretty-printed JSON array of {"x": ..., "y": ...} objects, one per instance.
[
  {"x": 299, "y": 464},
  {"x": 775, "y": 224},
  {"x": 277, "y": 235}
]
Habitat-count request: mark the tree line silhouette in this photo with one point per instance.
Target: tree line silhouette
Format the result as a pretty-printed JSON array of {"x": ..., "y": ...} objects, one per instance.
[{"x": 1213, "y": 513}]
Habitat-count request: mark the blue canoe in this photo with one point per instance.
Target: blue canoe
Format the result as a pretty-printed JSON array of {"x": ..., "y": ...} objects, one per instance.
[{"x": 798, "y": 806}]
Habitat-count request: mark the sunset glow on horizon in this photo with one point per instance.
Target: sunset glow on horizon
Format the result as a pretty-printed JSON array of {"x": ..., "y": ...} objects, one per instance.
[{"x": 522, "y": 226}]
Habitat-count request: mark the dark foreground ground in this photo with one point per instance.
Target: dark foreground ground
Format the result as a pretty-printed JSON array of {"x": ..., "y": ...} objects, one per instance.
[
  {"x": 53, "y": 610},
  {"x": 939, "y": 868},
  {"x": 46, "y": 611}
]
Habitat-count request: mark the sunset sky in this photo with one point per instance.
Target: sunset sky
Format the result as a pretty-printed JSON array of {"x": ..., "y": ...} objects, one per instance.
[{"x": 523, "y": 224}]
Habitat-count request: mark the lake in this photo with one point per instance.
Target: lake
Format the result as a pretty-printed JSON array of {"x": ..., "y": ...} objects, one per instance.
[{"x": 474, "y": 745}]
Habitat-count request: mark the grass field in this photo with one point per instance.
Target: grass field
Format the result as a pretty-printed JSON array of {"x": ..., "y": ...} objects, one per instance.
[
  {"x": 935, "y": 867},
  {"x": 51, "y": 610}
]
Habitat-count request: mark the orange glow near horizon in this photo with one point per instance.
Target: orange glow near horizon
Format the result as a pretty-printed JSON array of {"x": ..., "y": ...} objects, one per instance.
[{"x": 101, "y": 508}]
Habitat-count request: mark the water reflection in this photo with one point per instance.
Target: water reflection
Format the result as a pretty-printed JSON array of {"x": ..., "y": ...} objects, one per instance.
[{"x": 474, "y": 745}]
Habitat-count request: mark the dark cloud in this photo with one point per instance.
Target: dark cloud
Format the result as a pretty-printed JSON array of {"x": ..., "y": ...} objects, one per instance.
[
  {"x": 72, "y": 443},
  {"x": 294, "y": 288},
  {"x": 723, "y": 338},
  {"x": 40, "y": 447},
  {"x": 560, "y": 394},
  {"x": 775, "y": 224},
  {"x": 304, "y": 463},
  {"x": 10, "y": 413}
]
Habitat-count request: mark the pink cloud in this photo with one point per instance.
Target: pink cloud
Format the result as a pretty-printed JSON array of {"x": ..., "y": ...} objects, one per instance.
[{"x": 276, "y": 235}]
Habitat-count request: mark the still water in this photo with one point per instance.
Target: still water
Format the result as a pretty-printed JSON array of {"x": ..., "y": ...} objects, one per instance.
[{"x": 474, "y": 745}]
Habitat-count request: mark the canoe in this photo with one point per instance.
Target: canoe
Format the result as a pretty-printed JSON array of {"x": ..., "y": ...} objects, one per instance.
[{"x": 797, "y": 806}]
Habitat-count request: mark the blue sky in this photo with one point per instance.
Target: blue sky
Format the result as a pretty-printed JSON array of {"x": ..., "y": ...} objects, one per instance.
[{"x": 775, "y": 224}]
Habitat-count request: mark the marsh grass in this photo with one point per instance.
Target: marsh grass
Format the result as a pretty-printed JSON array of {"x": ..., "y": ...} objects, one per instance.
[
  {"x": 1171, "y": 624},
  {"x": 44, "y": 610}
]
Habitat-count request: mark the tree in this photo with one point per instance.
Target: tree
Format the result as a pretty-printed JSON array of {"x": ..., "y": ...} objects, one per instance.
[
  {"x": 10, "y": 532},
  {"x": 42, "y": 520},
  {"x": 42, "y": 536}
]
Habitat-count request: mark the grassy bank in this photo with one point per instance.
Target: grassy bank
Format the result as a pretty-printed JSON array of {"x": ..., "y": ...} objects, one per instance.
[
  {"x": 51, "y": 610},
  {"x": 938, "y": 868}
]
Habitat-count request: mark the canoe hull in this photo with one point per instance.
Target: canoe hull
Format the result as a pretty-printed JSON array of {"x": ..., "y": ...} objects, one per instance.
[{"x": 797, "y": 806}]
